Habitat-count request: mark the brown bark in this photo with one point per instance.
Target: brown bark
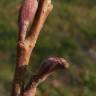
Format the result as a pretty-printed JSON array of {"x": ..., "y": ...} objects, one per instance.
[
  {"x": 48, "y": 66},
  {"x": 24, "y": 48}
]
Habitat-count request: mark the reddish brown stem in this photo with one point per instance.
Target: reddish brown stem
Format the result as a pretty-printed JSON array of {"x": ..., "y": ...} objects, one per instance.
[
  {"x": 25, "y": 48},
  {"x": 48, "y": 66}
]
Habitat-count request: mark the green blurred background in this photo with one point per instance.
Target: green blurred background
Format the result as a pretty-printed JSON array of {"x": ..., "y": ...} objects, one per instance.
[{"x": 69, "y": 32}]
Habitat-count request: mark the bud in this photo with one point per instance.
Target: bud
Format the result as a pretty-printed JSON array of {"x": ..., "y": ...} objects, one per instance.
[
  {"x": 26, "y": 16},
  {"x": 51, "y": 64}
]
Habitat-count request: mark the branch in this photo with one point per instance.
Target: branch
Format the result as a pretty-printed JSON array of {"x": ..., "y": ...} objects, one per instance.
[
  {"x": 25, "y": 48},
  {"x": 48, "y": 66}
]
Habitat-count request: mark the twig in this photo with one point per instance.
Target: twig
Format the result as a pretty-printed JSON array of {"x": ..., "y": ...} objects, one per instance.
[
  {"x": 25, "y": 48},
  {"x": 47, "y": 67}
]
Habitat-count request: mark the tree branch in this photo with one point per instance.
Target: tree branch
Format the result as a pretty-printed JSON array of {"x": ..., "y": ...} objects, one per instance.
[
  {"x": 25, "y": 48},
  {"x": 48, "y": 66}
]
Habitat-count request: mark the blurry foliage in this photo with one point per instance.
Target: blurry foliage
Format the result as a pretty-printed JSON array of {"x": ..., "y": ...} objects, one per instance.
[{"x": 69, "y": 32}]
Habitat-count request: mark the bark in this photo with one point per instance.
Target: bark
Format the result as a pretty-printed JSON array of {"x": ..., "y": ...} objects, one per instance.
[
  {"x": 24, "y": 49},
  {"x": 48, "y": 66}
]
